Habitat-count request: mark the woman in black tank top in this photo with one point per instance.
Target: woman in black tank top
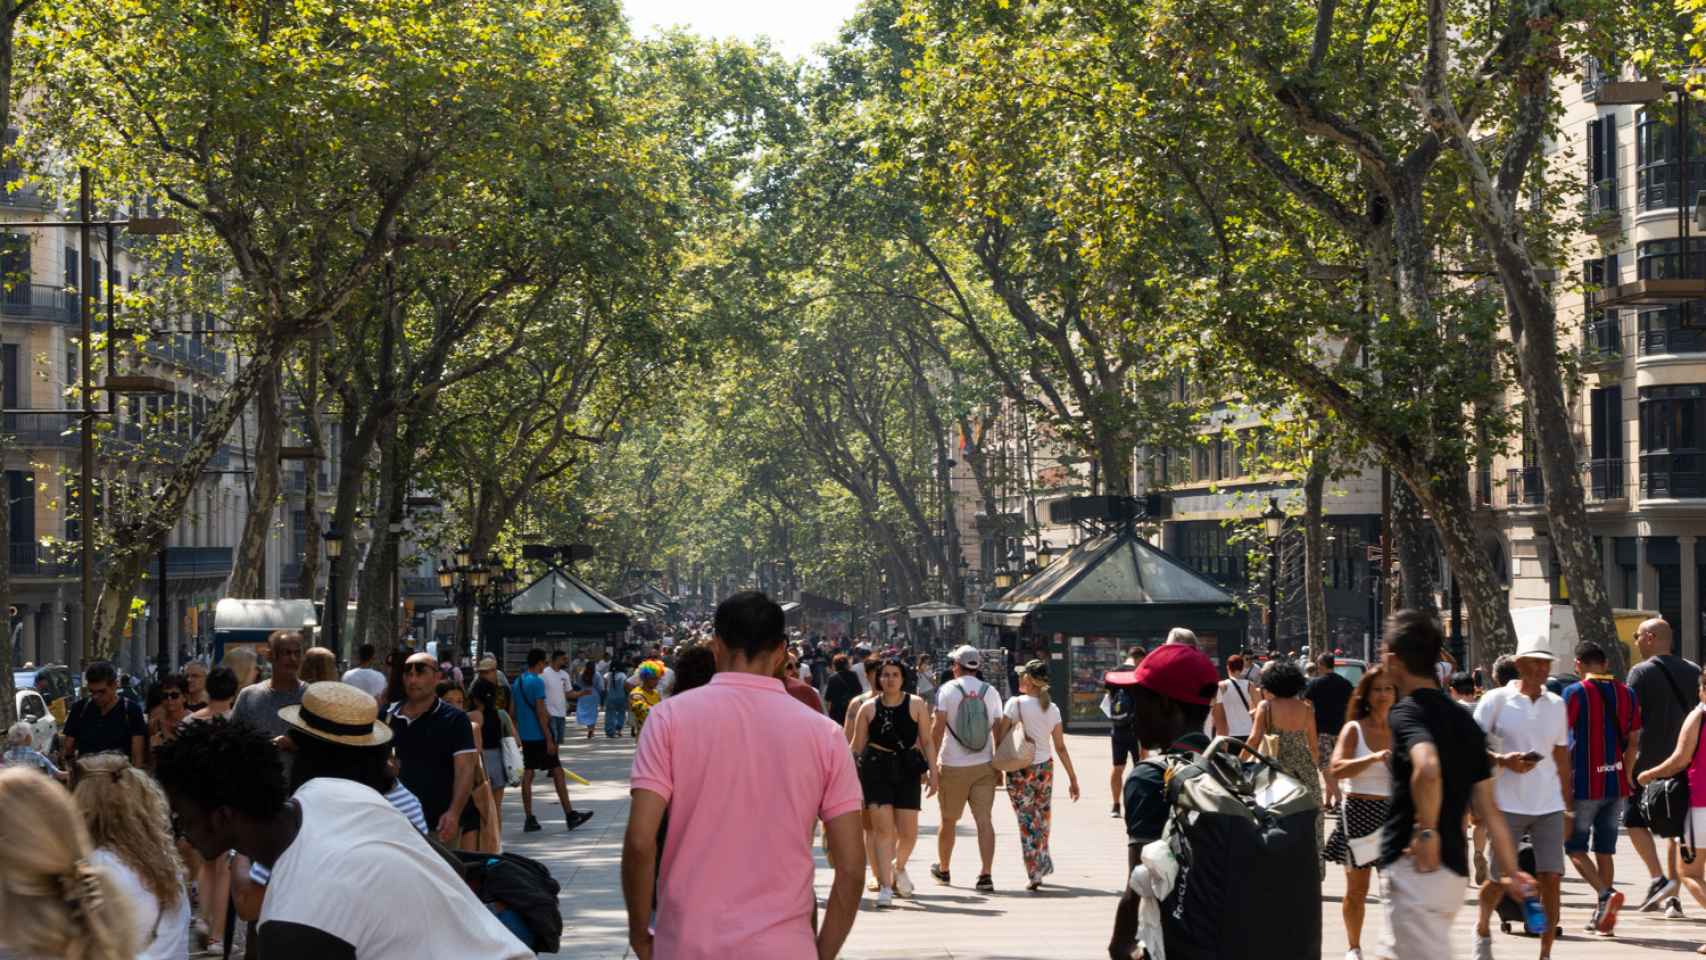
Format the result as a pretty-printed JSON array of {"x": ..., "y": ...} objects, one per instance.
[{"x": 891, "y": 741}]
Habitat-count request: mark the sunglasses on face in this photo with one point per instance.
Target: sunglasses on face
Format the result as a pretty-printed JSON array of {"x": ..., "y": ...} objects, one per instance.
[
  {"x": 419, "y": 668},
  {"x": 173, "y": 695}
]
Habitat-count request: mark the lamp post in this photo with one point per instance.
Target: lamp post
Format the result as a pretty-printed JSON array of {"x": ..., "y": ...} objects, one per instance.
[
  {"x": 462, "y": 585},
  {"x": 1273, "y": 523},
  {"x": 334, "y": 617}
]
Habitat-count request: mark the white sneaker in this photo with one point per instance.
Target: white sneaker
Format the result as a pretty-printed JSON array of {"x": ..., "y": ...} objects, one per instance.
[
  {"x": 1483, "y": 948},
  {"x": 885, "y": 898},
  {"x": 873, "y": 886},
  {"x": 1354, "y": 953},
  {"x": 902, "y": 884},
  {"x": 1673, "y": 909}
]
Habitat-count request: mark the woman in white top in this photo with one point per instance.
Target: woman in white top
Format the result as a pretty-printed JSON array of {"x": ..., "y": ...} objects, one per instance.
[
  {"x": 130, "y": 827},
  {"x": 1361, "y": 764},
  {"x": 56, "y": 902},
  {"x": 1235, "y": 702},
  {"x": 1031, "y": 789}
]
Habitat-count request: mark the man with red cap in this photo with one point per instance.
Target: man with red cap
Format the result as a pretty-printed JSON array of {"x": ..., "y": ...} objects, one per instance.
[{"x": 1171, "y": 693}]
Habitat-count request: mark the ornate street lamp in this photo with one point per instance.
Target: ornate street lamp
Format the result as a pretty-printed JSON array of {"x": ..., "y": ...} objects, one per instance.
[
  {"x": 334, "y": 619},
  {"x": 1273, "y": 523}
]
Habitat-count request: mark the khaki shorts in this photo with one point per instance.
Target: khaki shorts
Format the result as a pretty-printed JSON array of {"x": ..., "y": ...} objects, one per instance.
[
  {"x": 1419, "y": 910},
  {"x": 959, "y": 784}
]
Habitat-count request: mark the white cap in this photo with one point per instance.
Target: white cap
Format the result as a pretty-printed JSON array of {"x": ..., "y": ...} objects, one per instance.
[
  {"x": 1534, "y": 646},
  {"x": 966, "y": 656}
]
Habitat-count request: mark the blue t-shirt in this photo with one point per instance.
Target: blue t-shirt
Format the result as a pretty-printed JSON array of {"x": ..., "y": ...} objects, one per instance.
[{"x": 529, "y": 690}]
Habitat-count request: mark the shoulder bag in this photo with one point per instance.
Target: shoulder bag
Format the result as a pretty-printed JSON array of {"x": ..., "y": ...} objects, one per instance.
[
  {"x": 1015, "y": 753},
  {"x": 1665, "y": 802},
  {"x": 511, "y": 750}
]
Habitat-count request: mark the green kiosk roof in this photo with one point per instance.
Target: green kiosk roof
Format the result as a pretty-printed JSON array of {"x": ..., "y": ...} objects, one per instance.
[{"x": 1116, "y": 583}]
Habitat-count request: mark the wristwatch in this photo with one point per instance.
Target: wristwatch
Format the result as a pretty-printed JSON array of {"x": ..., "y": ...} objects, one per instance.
[{"x": 1426, "y": 833}]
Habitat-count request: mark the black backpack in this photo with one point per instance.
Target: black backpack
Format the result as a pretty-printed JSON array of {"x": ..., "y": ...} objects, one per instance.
[
  {"x": 1243, "y": 833},
  {"x": 525, "y": 886}
]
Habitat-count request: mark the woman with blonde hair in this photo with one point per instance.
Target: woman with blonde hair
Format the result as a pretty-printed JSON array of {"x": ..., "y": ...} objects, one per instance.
[
  {"x": 319, "y": 664},
  {"x": 129, "y": 824},
  {"x": 55, "y": 902},
  {"x": 242, "y": 662},
  {"x": 1031, "y": 788}
]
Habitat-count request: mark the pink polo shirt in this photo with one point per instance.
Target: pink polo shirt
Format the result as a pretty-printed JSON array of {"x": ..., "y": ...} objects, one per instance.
[{"x": 746, "y": 770}]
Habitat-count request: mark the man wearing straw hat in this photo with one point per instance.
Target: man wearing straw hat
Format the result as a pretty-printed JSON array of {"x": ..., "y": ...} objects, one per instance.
[{"x": 349, "y": 876}]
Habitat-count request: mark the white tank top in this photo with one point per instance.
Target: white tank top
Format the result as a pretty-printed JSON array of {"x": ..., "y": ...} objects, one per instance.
[
  {"x": 1375, "y": 780},
  {"x": 1235, "y": 699}
]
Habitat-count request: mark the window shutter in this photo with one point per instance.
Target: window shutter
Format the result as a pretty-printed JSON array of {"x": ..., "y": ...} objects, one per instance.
[{"x": 1596, "y": 153}]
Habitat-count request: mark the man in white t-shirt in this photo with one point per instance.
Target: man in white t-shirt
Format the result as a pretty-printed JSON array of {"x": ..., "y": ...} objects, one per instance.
[
  {"x": 1235, "y": 702},
  {"x": 556, "y": 677},
  {"x": 964, "y": 766},
  {"x": 1530, "y": 727},
  {"x": 350, "y": 877},
  {"x": 364, "y": 678}
]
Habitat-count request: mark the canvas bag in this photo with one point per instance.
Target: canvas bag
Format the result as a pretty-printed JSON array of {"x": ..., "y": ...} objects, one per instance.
[{"x": 1016, "y": 750}]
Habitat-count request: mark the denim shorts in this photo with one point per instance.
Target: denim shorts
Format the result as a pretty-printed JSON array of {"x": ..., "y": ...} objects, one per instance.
[{"x": 1600, "y": 817}]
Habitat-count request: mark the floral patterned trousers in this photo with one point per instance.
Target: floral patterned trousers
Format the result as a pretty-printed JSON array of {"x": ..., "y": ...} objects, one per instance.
[{"x": 1032, "y": 792}]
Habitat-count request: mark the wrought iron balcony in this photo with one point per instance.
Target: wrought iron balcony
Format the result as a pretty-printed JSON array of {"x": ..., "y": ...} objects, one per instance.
[
  {"x": 1524, "y": 486},
  {"x": 1605, "y": 480}
]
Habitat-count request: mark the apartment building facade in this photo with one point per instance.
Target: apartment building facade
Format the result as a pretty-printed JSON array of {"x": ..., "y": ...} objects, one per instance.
[{"x": 1640, "y": 403}]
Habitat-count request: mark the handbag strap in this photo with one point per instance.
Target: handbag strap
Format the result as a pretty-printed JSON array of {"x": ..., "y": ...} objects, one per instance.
[
  {"x": 1659, "y": 665},
  {"x": 1240, "y": 691}
]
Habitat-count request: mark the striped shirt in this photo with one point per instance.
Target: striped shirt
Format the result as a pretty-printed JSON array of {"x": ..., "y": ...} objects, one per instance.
[{"x": 1603, "y": 718}]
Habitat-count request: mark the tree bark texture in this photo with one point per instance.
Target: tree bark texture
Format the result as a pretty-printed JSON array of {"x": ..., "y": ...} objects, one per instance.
[
  {"x": 1415, "y": 552},
  {"x": 1315, "y": 549},
  {"x": 309, "y": 577},
  {"x": 248, "y": 570}
]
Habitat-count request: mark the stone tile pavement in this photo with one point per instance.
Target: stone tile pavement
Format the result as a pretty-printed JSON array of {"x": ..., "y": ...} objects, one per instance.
[{"x": 1068, "y": 919}]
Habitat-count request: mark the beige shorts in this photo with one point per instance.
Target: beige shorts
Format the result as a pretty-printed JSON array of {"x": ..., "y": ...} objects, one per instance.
[
  {"x": 1419, "y": 911},
  {"x": 957, "y": 785}
]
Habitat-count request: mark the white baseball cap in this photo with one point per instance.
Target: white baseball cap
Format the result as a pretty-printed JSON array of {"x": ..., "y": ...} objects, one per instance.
[{"x": 966, "y": 656}]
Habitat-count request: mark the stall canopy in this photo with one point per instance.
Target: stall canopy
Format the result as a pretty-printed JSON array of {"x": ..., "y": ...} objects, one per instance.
[
  {"x": 242, "y": 622},
  {"x": 1116, "y": 583},
  {"x": 557, "y": 606},
  {"x": 933, "y": 608}
]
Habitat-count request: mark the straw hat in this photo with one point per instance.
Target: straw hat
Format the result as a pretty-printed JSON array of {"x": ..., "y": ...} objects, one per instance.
[{"x": 338, "y": 713}]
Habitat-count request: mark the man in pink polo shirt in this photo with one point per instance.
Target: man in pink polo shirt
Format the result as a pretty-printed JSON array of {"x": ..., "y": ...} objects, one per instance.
[{"x": 744, "y": 771}]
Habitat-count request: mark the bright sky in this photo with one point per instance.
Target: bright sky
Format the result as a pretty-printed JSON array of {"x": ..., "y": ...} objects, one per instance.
[{"x": 793, "y": 26}]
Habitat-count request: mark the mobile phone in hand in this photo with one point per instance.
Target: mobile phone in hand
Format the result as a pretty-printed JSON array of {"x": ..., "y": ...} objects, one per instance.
[{"x": 1532, "y": 756}]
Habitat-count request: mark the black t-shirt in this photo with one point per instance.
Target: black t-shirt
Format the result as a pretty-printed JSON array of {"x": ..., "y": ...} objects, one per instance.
[
  {"x": 1145, "y": 793},
  {"x": 1428, "y": 716},
  {"x": 96, "y": 732},
  {"x": 426, "y": 754},
  {"x": 1330, "y": 694},
  {"x": 842, "y": 687}
]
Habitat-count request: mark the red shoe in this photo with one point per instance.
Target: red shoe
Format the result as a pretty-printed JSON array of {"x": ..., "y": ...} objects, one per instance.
[{"x": 1608, "y": 913}]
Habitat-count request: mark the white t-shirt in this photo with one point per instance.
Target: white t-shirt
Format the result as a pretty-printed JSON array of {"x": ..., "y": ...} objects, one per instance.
[
  {"x": 1240, "y": 710},
  {"x": 864, "y": 681},
  {"x": 948, "y": 701},
  {"x": 1523, "y": 725},
  {"x": 159, "y": 935},
  {"x": 368, "y": 680},
  {"x": 360, "y": 872},
  {"x": 556, "y": 691},
  {"x": 1039, "y": 723}
]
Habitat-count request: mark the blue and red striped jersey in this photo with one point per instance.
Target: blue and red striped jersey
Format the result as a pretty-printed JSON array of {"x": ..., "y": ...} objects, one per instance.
[{"x": 1603, "y": 717}]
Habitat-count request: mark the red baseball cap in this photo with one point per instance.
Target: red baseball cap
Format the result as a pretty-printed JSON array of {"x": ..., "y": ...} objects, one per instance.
[{"x": 1175, "y": 671}]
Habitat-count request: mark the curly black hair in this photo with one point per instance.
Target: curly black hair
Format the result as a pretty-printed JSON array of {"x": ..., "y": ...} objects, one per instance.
[
  {"x": 1282, "y": 678},
  {"x": 223, "y": 763}
]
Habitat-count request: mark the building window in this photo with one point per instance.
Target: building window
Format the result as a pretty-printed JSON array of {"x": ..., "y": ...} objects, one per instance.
[
  {"x": 1602, "y": 165},
  {"x": 1671, "y": 440},
  {"x": 1662, "y": 260},
  {"x": 1658, "y": 170},
  {"x": 1601, "y": 329},
  {"x": 1605, "y": 448},
  {"x": 1203, "y": 546},
  {"x": 1672, "y": 329}
]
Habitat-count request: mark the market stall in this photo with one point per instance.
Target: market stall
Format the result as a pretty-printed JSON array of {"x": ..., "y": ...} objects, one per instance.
[
  {"x": 1102, "y": 597},
  {"x": 558, "y": 611}
]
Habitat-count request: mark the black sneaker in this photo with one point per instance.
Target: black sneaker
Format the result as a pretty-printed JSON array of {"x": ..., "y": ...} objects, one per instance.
[
  {"x": 578, "y": 817},
  {"x": 985, "y": 884},
  {"x": 531, "y": 826},
  {"x": 1657, "y": 892},
  {"x": 940, "y": 874}
]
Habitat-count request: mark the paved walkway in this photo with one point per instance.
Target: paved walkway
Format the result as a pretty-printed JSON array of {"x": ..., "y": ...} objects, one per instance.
[{"x": 1070, "y": 918}]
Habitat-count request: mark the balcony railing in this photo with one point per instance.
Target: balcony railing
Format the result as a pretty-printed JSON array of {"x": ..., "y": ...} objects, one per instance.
[
  {"x": 1604, "y": 480},
  {"x": 1657, "y": 185},
  {"x": 198, "y": 561},
  {"x": 1672, "y": 475},
  {"x": 1604, "y": 336},
  {"x": 1481, "y": 487},
  {"x": 186, "y": 351},
  {"x": 33, "y": 560},
  {"x": 41, "y": 429},
  {"x": 1524, "y": 486},
  {"x": 38, "y": 301},
  {"x": 1673, "y": 340},
  {"x": 1600, "y": 207}
]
